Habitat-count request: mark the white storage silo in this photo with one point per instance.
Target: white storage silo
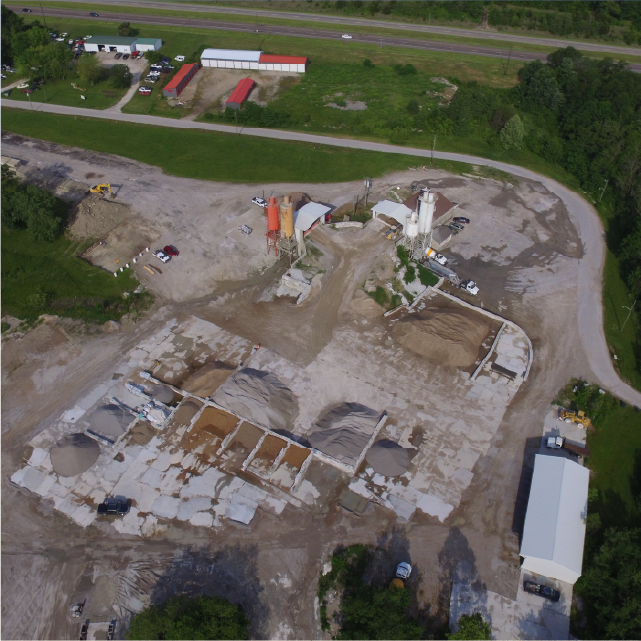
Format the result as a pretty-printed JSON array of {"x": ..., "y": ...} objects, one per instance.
[
  {"x": 411, "y": 226},
  {"x": 427, "y": 204}
]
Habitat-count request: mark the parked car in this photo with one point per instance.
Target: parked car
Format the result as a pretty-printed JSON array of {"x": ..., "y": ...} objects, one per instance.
[
  {"x": 403, "y": 570},
  {"x": 162, "y": 256},
  {"x": 170, "y": 250},
  {"x": 156, "y": 65},
  {"x": 246, "y": 229},
  {"x": 346, "y": 36},
  {"x": 154, "y": 73},
  {"x": 3, "y": 76},
  {"x": 542, "y": 590},
  {"x": 458, "y": 226},
  {"x": 139, "y": 55},
  {"x": 93, "y": 14},
  {"x": 126, "y": 57},
  {"x": 64, "y": 35},
  {"x": 60, "y": 39},
  {"x": 260, "y": 202},
  {"x": 179, "y": 58},
  {"x": 23, "y": 85},
  {"x": 112, "y": 506},
  {"x": 470, "y": 287},
  {"x": 29, "y": 90},
  {"x": 27, "y": 10},
  {"x": 152, "y": 79},
  {"x": 118, "y": 56},
  {"x": 168, "y": 66},
  {"x": 145, "y": 91},
  {"x": 165, "y": 60},
  {"x": 88, "y": 37},
  {"x": 462, "y": 220}
]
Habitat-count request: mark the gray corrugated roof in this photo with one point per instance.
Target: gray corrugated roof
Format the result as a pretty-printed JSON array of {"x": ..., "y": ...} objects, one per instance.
[
  {"x": 111, "y": 40},
  {"x": 237, "y": 55},
  {"x": 147, "y": 41},
  {"x": 554, "y": 528}
]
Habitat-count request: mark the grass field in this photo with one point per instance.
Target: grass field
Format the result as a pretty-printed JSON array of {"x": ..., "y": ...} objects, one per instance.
[
  {"x": 60, "y": 92},
  {"x": 39, "y": 277},
  {"x": 155, "y": 104},
  {"x": 353, "y": 29},
  {"x": 615, "y": 454},
  {"x": 623, "y": 339},
  {"x": 210, "y": 155},
  {"x": 185, "y": 41}
]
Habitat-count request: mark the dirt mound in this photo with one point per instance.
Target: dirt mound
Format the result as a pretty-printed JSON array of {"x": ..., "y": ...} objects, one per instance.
[
  {"x": 162, "y": 393},
  {"x": 365, "y": 305},
  {"x": 205, "y": 381},
  {"x": 95, "y": 217},
  {"x": 449, "y": 336},
  {"x": 344, "y": 431},
  {"x": 259, "y": 397},
  {"x": 74, "y": 454},
  {"x": 388, "y": 458}
]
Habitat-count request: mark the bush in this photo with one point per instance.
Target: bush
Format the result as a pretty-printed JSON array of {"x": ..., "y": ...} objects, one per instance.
[
  {"x": 380, "y": 296},
  {"x": 403, "y": 256},
  {"x": 406, "y": 70},
  {"x": 471, "y": 627},
  {"x": 120, "y": 76},
  {"x": 90, "y": 69},
  {"x": 368, "y": 63},
  {"x": 154, "y": 56},
  {"x": 182, "y": 617},
  {"x": 427, "y": 277},
  {"x": 410, "y": 275},
  {"x": 125, "y": 30},
  {"x": 413, "y": 107}
]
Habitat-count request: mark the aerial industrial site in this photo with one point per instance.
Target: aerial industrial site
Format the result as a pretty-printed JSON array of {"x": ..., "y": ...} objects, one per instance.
[{"x": 294, "y": 380}]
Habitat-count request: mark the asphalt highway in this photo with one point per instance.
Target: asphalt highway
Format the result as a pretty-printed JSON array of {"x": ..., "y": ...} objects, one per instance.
[
  {"x": 387, "y": 24},
  {"x": 303, "y": 32},
  {"x": 589, "y": 322}
]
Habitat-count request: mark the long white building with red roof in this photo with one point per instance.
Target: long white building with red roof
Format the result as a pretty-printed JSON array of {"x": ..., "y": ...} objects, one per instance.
[{"x": 240, "y": 59}]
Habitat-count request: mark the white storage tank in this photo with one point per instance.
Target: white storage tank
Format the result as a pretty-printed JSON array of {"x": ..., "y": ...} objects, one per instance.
[
  {"x": 411, "y": 227},
  {"x": 427, "y": 204}
]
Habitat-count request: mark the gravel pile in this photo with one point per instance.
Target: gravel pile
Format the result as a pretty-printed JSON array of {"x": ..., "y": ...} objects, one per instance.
[
  {"x": 388, "y": 458},
  {"x": 74, "y": 454},
  {"x": 110, "y": 421}
]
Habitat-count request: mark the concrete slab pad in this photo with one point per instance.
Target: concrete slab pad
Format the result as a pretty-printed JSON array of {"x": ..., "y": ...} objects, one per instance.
[
  {"x": 202, "y": 519},
  {"x": 403, "y": 508},
  {"x": 434, "y": 507},
  {"x": 32, "y": 478},
  {"x": 188, "y": 508},
  {"x": 84, "y": 515},
  {"x": 241, "y": 509},
  {"x": 130, "y": 523},
  {"x": 166, "y": 506}
]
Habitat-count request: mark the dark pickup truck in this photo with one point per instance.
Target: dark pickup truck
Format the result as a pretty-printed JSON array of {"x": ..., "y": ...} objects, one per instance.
[
  {"x": 542, "y": 590},
  {"x": 111, "y": 506}
]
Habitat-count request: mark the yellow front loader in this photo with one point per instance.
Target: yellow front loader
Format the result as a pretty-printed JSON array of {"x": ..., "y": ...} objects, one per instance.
[{"x": 102, "y": 188}]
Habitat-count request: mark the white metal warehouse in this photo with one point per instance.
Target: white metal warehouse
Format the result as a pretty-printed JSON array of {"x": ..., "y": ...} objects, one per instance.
[
  {"x": 241, "y": 59},
  {"x": 122, "y": 45},
  {"x": 554, "y": 532}
]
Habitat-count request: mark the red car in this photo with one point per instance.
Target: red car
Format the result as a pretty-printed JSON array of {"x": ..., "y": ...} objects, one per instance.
[{"x": 170, "y": 250}]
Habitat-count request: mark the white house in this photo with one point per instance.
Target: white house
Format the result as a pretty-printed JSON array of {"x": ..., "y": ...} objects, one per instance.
[{"x": 554, "y": 532}]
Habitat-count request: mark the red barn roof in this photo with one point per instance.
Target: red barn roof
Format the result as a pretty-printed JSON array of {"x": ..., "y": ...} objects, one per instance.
[
  {"x": 242, "y": 90},
  {"x": 282, "y": 60},
  {"x": 184, "y": 71}
]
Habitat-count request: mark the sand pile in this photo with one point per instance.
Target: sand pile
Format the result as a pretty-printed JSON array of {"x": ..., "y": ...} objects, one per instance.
[
  {"x": 205, "y": 381},
  {"x": 161, "y": 393},
  {"x": 260, "y": 397},
  {"x": 447, "y": 335},
  {"x": 95, "y": 217},
  {"x": 344, "y": 431},
  {"x": 110, "y": 421},
  {"x": 365, "y": 305},
  {"x": 74, "y": 454},
  {"x": 388, "y": 458}
]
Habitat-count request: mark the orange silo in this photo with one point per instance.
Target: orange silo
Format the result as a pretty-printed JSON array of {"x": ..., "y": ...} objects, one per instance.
[
  {"x": 273, "y": 221},
  {"x": 286, "y": 218}
]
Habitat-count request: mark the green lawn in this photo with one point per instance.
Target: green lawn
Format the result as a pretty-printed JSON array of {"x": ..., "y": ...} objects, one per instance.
[
  {"x": 210, "y": 155},
  {"x": 615, "y": 459},
  {"x": 39, "y": 277},
  {"x": 155, "y": 104},
  {"x": 60, "y": 92},
  {"x": 623, "y": 339},
  {"x": 326, "y": 26}
]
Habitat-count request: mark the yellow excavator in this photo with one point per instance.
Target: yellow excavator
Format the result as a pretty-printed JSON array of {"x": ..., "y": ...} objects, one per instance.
[
  {"x": 102, "y": 188},
  {"x": 575, "y": 417}
]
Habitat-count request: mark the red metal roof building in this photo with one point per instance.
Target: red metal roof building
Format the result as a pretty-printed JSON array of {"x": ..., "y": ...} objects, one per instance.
[
  {"x": 180, "y": 80},
  {"x": 283, "y": 63},
  {"x": 241, "y": 59},
  {"x": 239, "y": 95}
]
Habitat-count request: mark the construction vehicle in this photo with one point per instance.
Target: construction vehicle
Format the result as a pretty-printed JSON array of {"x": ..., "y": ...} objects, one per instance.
[
  {"x": 392, "y": 233},
  {"x": 560, "y": 442},
  {"x": 574, "y": 417},
  {"x": 102, "y": 188}
]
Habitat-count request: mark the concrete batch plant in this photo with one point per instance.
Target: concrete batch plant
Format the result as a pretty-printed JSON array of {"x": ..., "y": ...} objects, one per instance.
[{"x": 240, "y": 59}]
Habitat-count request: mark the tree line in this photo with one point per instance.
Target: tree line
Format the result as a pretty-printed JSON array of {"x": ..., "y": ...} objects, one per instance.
[{"x": 614, "y": 19}]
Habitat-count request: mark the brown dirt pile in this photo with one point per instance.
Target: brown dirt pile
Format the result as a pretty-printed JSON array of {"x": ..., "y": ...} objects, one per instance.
[
  {"x": 74, "y": 454},
  {"x": 364, "y": 305},
  {"x": 95, "y": 217},
  {"x": 449, "y": 336},
  {"x": 206, "y": 380}
]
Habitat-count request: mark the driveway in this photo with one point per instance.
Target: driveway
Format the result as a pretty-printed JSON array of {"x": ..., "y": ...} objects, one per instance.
[
  {"x": 583, "y": 215},
  {"x": 137, "y": 68}
]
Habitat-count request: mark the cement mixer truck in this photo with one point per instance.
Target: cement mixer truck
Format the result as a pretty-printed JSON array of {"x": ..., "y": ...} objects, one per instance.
[{"x": 439, "y": 258}]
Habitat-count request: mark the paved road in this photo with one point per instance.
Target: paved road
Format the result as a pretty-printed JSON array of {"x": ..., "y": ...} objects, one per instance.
[
  {"x": 583, "y": 215},
  {"x": 306, "y": 32},
  {"x": 364, "y": 22}
]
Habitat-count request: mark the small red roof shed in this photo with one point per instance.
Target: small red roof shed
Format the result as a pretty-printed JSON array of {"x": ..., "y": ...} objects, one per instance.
[
  {"x": 239, "y": 95},
  {"x": 180, "y": 80}
]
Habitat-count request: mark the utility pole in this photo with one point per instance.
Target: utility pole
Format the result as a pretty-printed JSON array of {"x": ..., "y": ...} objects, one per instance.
[
  {"x": 603, "y": 189},
  {"x": 629, "y": 314},
  {"x": 43, "y": 15},
  {"x": 236, "y": 119},
  {"x": 507, "y": 66}
]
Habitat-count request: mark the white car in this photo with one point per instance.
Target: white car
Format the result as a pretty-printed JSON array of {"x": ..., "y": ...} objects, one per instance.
[
  {"x": 162, "y": 256},
  {"x": 260, "y": 202},
  {"x": 23, "y": 85},
  {"x": 60, "y": 39},
  {"x": 88, "y": 37},
  {"x": 64, "y": 35},
  {"x": 346, "y": 36},
  {"x": 70, "y": 41},
  {"x": 470, "y": 287},
  {"x": 153, "y": 72},
  {"x": 403, "y": 570},
  {"x": 179, "y": 58}
]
